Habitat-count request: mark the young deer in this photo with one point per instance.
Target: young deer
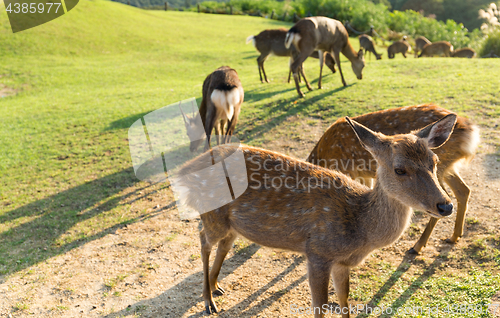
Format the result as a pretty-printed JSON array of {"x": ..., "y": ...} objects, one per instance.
[
  {"x": 465, "y": 52},
  {"x": 420, "y": 42},
  {"x": 326, "y": 36},
  {"x": 437, "y": 48},
  {"x": 338, "y": 149},
  {"x": 333, "y": 220},
  {"x": 270, "y": 42},
  {"x": 222, "y": 97},
  {"x": 401, "y": 46},
  {"x": 366, "y": 42}
]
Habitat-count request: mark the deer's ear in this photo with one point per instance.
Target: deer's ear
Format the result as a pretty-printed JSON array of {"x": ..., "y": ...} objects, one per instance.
[
  {"x": 369, "y": 139},
  {"x": 438, "y": 132}
]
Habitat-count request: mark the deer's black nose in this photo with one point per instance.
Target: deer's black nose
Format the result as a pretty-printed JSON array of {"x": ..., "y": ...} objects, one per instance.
[{"x": 445, "y": 209}]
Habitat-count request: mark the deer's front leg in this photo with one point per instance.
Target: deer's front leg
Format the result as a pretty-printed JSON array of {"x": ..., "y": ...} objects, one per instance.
[
  {"x": 318, "y": 272},
  {"x": 341, "y": 281}
]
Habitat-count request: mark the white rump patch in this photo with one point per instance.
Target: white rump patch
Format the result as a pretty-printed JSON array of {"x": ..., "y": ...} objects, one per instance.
[
  {"x": 251, "y": 38},
  {"x": 470, "y": 145},
  {"x": 226, "y": 101}
]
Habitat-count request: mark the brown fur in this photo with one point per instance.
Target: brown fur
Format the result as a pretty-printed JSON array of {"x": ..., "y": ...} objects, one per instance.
[
  {"x": 270, "y": 42},
  {"x": 327, "y": 36},
  {"x": 227, "y": 77},
  {"x": 336, "y": 223},
  {"x": 366, "y": 42},
  {"x": 437, "y": 48},
  {"x": 339, "y": 149},
  {"x": 401, "y": 46},
  {"x": 420, "y": 42},
  {"x": 464, "y": 52}
]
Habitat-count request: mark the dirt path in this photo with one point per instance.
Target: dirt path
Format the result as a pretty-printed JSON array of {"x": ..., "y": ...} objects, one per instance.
[{"x": 152, "y": 268}]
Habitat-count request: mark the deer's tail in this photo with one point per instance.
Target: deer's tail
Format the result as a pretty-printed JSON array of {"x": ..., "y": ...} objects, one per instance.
[
  {"x": 226, "y": 99},
  {"x": 292, "y": 36},
  {"x": 251, "y": 38}
]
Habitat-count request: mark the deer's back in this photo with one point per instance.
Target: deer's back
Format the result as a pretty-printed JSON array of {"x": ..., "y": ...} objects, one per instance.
[
  {"x": 441, "y": 47},
  {"x": 366, "y": 42},
  {"x": 339, "y": 148},
  {"x": 464, "y": 52},
  {"x": 328, "y": 34},
  {"x": 279, "y": 209},
  {"x": 398, "y": 47},
  {"x": 272, "y": 41}
]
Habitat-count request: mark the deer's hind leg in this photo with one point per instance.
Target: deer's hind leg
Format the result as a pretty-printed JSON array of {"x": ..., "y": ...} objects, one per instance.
[
  {"x": 215, "y": 230},
  {"x": 297, "y": 66},
  {"x": 260, "y": 61},
  {"x": 222, "y": 250},
  {"x": 336, "y": 57},
  {"x": 462, "y": 193}
]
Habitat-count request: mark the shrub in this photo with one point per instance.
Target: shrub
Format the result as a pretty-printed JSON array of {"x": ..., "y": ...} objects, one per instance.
[{"x": 491, "y": 44}]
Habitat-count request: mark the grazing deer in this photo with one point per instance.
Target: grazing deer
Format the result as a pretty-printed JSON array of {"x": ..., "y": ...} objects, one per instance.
[
  {"x": 220, "y": 105},
  {"x": 270, "y": 42},
  {"x": 420, "y": 42},
  {"x": 366, "y": 42},
  {"x": 338, "y": 149},
  {"x": 437, "y": 48},
  {"x": 401, "y": 46},
  {"x": 464, "y": 52},
  {"x": 326, "y": 36},
  {"x": 333, "y": 220}
]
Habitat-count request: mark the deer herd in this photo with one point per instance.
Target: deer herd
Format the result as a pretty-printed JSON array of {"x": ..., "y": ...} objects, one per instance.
[{"x": 408, "y": 154}]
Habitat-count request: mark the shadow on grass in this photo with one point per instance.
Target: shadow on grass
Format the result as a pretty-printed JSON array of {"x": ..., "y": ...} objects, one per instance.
[
  {"x": 37, "y": 240},
  {"x": 415, "y": 286},
  {"x": 278, "y": 112},
  {"x": 164, "y": 305}
]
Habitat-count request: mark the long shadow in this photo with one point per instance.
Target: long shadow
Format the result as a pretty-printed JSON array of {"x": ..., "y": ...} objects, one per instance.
[
  {"x": 37, "y": 240},
  {"x": 491, "y": 165},
  {"x": 164, "y": 304},
  {"x": 402, "y": 268},
  {"x": 248, "y": 131}
]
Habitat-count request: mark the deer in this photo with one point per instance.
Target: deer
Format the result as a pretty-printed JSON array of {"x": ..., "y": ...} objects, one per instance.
[
  {"x": 366, "y": 42},
  {"x": 323, "y": 214},
  {"x": 401, "y": 46},
  {"x": 324, "y": 35},
  {"x": 222, "y": 96},
  {"x": 339, "y": 149},
  {"x": 464, "y": 52},
  {"x": 272, "y": 42},
  {"x": 437, "y": 48},
  {"x": 420, "y": 42}
]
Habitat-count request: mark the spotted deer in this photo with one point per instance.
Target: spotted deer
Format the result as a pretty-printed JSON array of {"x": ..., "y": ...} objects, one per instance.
[
  {"x": 222, "y": 96},
  {"x": 401, "y": 46},
  {"x": 420, "y": 42},
  {"x": 272, "y": 42},
  {"x": 333, "y": 220},
  {"x": 437, "y": 48},
  {"x": 464, "y": 52},
  {"x": 324, "y": 35},
  {"x": 339, "y": 149},
  {"x": 366, "y": 42}
]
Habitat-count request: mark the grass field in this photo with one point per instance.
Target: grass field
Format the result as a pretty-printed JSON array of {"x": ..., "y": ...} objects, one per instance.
[{"x": 72, "y": 87}]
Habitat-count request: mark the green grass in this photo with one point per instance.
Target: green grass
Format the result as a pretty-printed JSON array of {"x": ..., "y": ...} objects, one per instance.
[{"x": 83, "y": 79}]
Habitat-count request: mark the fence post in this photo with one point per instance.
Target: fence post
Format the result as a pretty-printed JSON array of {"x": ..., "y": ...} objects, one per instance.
[
  {"x": 198, "y": 5},
  {"x": 128, "y": 2},
  {"x": 231, "y": 10},
  {"x": 284, "y": 15},
  {"x": 272, "y": 14},
  {"x": 166, "y": 6}
]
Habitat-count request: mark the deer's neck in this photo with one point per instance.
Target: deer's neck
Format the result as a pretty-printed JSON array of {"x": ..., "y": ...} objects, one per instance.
[
  {"x": 349, "y": 51},
  {"x": 387, "y": 218}
]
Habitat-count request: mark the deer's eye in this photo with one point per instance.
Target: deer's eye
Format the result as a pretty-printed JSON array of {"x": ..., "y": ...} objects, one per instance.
[{"x": 400, "y": 172}]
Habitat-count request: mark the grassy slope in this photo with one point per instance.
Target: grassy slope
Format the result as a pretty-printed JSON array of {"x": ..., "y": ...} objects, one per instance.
[{"x": 83, "y": 79}]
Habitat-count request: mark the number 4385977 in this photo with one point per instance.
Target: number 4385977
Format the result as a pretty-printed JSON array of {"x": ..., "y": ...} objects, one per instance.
[{"x": 32, "y": 7}]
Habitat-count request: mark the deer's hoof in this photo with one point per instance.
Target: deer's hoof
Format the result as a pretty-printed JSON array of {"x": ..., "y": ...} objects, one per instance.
[
  {"x": 219, "y": 291},
  {"x": 268, "y": 81},
  {"x": 451, "y": 240},
  {"x": 211, "y": 309},
  {"x": 412, "y": 251},
  {"x": 320, "y": 87}
]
